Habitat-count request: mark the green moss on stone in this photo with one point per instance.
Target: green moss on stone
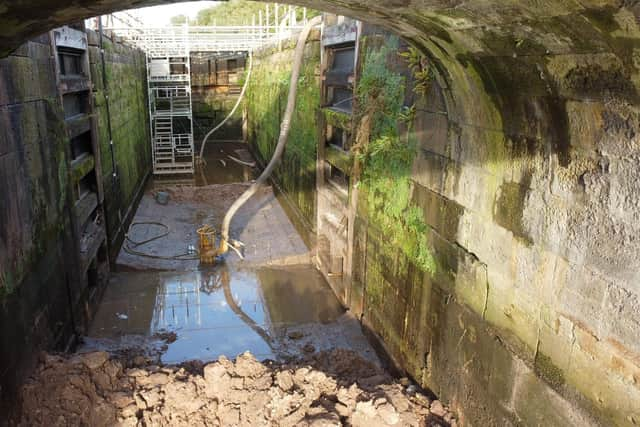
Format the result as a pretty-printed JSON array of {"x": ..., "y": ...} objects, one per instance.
[
  {"x": 7, "y": 284},
  {"x": 265, "y": 101},
  {"x": 337, "y": 119},
  {"x": 387, "y": 159},
  {"x": 339, "y": 158},
  {"x": 82, "y": 167}
]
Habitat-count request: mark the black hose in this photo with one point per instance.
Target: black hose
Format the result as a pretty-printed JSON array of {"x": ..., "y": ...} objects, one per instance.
[{"x": 130, "y": 250}]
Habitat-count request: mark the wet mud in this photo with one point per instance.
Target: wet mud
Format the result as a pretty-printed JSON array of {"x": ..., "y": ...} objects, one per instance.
[
  {"x": 275, "y": 313},
  {"x": 177, "y": 343}
]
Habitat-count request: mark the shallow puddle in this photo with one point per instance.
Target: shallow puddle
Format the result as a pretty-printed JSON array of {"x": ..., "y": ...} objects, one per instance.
[
  {"x": 237, "y": 306},
  {"x": 218, "y": 311}
]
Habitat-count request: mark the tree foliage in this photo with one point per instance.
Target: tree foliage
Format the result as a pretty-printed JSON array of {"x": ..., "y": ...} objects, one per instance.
[
  {"x": 179, "y": 19},
  {"x": 237, "y": 12}
]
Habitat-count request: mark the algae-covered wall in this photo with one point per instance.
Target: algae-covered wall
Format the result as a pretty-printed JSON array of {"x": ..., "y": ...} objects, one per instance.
[
  {"x": 266, "y": 99},
  {"x": 525, "y": 169},
  {"x": 46, "y": 294},
  {"x": 495, "y": 247},
  {"x": 209, "y": 110},
  {"x": 126, "y": 164},
  {"x": 35, "y": 215}
]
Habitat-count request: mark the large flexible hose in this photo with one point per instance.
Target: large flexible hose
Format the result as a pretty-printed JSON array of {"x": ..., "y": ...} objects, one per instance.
[
  {"x": 233, "y": 110},
  {"x": 282, "y": 138}
]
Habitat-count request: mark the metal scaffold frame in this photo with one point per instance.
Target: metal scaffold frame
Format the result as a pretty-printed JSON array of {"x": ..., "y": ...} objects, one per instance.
[
  {"x": 168, "y": 51},
  {"x": 170, "y": 108}
]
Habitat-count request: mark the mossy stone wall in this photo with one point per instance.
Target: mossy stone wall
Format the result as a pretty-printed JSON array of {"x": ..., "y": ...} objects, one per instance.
[
  {"x": 210, "y": 108},
  {"x": 129, "y": 110},
  {"x": 265, "y": 102},
  {"x": 526, "y": 312},
  {"x": 44, "y": 300},
  {"x": 35, "y": 215},
  {"x": 527, "y": 170}
]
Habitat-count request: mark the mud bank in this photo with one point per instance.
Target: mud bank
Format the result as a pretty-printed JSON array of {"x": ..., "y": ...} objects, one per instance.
[
  {"x": 261, "y": 224},
  {"x": 324, "y": 389}
]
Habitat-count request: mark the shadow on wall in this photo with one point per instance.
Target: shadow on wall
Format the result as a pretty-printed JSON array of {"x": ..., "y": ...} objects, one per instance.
[{"x": 53, "y": 263}]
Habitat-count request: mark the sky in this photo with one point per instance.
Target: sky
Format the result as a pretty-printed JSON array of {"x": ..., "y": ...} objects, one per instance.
[{"x": 161, "y": 15}]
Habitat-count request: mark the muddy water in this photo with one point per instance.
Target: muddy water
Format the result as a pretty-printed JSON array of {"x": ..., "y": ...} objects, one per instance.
[
  {"x": 237, "y": 306},
  {"x": 218, "y": 311},
  {"x": 218, "y": 169}
]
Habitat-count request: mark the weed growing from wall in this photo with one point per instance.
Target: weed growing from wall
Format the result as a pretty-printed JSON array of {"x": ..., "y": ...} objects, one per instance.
[
  {"x": 387, "y": 158},
  {"x": 422, "y": 74},
  {"x": 337, "y": 119}
]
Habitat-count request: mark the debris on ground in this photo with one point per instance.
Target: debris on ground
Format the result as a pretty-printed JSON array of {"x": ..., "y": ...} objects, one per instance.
[
  {"x": 166, "y": 336},
  {"x": 223, "y": 194},
  {"x": 329, "y": 388},
  {"x": 295, "y": 335}
]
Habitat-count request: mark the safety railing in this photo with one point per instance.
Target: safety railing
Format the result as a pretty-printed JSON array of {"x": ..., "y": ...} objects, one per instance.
[
  {"x": 169, "y": 49},
  {"x": 268, "y": 26}
]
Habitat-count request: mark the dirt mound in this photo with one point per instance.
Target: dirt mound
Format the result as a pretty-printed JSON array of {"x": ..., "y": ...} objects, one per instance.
[{"x": 325, "y": 389}]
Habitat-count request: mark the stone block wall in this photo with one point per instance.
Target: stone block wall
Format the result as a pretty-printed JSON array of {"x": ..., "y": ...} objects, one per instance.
[
  {"x": 209, "y": 109},
  {"x": 526, "y": 311},
  {"x": 265, "y": 102},
  {"x": 522, "y": 308},
  {"x": 129, "y": 114},
  {"x": 493, "y": 248},
  {"x": 34, "y": 213},
  {"x": 216, "y": 83},
  {"x": 45, "y": 298}
]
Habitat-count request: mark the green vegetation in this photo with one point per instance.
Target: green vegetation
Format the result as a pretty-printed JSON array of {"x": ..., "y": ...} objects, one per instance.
[
  {"x": 179, "y": 20},
  {"x": 337, "y": 119},
  {"x": 387, "y": 158},
  {"x": 265, "y": 100},
  {"x": 130, "y": 130},
  {"x": 237, "y": 12},
  {"x": 422, "y": 73},
  {"x": 234, "y": 12}
]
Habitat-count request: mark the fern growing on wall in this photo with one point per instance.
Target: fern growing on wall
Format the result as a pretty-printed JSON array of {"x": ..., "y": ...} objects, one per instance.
[{"x": 387, "y": 158}]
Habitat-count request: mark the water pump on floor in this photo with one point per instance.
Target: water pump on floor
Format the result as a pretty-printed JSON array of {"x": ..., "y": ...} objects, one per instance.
[
  {"x": 208, "y": 251},
  {"x": 207, "y": 244}
]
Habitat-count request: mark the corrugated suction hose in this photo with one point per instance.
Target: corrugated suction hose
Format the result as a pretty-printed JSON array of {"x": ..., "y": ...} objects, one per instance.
[{"x": 282, "y": 138}]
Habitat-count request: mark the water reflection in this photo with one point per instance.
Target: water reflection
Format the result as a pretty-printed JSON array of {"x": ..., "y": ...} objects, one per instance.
[{"x": 217, "y": 311}]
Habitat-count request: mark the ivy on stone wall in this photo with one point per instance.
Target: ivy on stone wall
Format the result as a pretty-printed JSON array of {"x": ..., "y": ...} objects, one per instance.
[{"x": 387, "y": 158}]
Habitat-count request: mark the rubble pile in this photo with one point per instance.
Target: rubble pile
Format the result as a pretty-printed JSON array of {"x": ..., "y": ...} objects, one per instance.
[{"x": 330, "y": 388}]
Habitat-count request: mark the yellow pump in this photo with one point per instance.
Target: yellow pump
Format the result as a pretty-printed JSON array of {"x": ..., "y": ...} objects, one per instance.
[
  {"x": 207, "y": 249},
  {"x": 208, "y": 253}
]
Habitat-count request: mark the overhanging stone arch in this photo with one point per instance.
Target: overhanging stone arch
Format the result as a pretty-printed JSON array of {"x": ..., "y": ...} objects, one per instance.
[{"x": 490, "y": 52}]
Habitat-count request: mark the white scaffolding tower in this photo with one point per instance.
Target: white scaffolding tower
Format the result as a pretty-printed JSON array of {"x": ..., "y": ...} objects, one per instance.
[
  {"x": 170, "y": 110},
  {"x": 168, "y": 52}
]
